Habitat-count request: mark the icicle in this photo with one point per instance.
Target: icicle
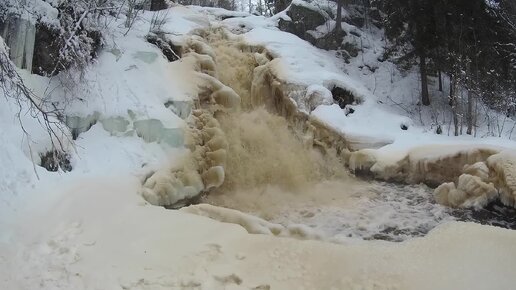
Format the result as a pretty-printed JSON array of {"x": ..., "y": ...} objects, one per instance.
[{"x": 20, "y": 36}]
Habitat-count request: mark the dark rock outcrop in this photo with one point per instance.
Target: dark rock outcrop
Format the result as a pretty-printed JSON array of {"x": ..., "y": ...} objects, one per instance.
[
  {"x": 170, "y": 51},
  {"x": 54, "y": 160},
  {"x": 304, "y": 22},
  {"x": 157, "y": 5},
  {"x": 48, "y": 44},
  {"x": 330, "y": 41},
  {"x": 360, "y": 16},
  {"x": 46, "y": 52},
  {"x": 342, "y": 97}
]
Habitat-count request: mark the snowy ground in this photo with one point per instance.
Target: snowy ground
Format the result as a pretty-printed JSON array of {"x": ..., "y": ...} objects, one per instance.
[{"x": 91, "y": 229}]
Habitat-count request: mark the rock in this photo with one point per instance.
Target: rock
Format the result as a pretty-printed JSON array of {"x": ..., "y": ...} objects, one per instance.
[
  {"x": 358, "y": 16},
  {"x": 357, "y": 20},
  {"x": 330, "y": 41},
  {"x": 47, "y": 50},
  {"x": 342, "y": 97},
  {"x": 170, "y": 51},
  {"x": 302, "y": 20},
  {"x": 48, "y": 44},
  {"x": 53, "y": 160},
  {"x": 350, "y": 48},
  {"x": 157, "y": 5}
]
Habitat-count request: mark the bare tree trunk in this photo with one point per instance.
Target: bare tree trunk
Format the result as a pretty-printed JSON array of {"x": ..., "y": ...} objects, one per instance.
[
  {"x": 453, "y": 103},
  {"x": 440, "y": 82},
  {"x": 469, "y": 114},
  {"x": 425, "y": 97},
  {"x": 338, "y": 20}
]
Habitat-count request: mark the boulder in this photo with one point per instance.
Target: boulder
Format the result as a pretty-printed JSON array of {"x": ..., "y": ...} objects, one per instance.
[
  {"x": 330, "y": 41},
  {"x": 157, "y": 5},
  {"x": 302, "y": 19},
  {"x": 342, "y": 97}
]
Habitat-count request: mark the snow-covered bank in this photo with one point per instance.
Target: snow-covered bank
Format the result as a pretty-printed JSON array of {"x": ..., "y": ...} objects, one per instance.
[{"x": 100, "y": 234}]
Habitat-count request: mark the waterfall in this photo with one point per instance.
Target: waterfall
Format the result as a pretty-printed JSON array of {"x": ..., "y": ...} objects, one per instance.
[{"x": 19, "y": 35}]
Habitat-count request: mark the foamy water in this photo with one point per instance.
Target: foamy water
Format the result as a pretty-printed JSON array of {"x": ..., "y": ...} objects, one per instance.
[
  {"x": 272, "y": 172},
  {"x": 339, "y": 210}
]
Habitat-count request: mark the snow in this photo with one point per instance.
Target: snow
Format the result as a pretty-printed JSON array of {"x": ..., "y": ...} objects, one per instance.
[
  {"x": 129, "y": 244},
  {"x": 91, "y": 228}
]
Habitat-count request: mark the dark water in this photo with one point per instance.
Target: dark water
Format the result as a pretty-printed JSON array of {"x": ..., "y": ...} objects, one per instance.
[{"x": 495, "y": 214}]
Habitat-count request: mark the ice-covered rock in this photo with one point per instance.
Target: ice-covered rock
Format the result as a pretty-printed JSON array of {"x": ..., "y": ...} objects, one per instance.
[
  {"x": 115, "y": 124},
  {"x": 482, "y": 182},
  {"x": 167, "y": 187},
  {"x": 503, "y": 173},
  {"x": 81, "y": 124},
  {"x": 204, "y": 169},
  {"x": 317, "y": 95},
  {"x": 470, "y": 191},
  {"x": 153, "y": 130}
]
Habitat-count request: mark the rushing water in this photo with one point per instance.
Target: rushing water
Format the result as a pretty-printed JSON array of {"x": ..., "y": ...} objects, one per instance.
[{"x": 272, "y": 173}]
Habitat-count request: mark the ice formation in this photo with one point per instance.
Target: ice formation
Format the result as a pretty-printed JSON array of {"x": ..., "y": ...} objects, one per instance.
[
  {"x": 470, "y": 191},
  {"x": 20, "y": 35},
  {"x": 502, "y": 168},
  {"x": 465, "y": 176},
  {"x": 252, "y": 224},
  {"x": 204, "y": 137},
  {"x": 150, "y": 130},
  {"x": 234, "y": 141},
  {"x": 481, "y": 183}
]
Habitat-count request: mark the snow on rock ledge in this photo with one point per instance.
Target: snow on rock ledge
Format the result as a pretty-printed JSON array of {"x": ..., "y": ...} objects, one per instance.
[{"x": 465, "y": 176}]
